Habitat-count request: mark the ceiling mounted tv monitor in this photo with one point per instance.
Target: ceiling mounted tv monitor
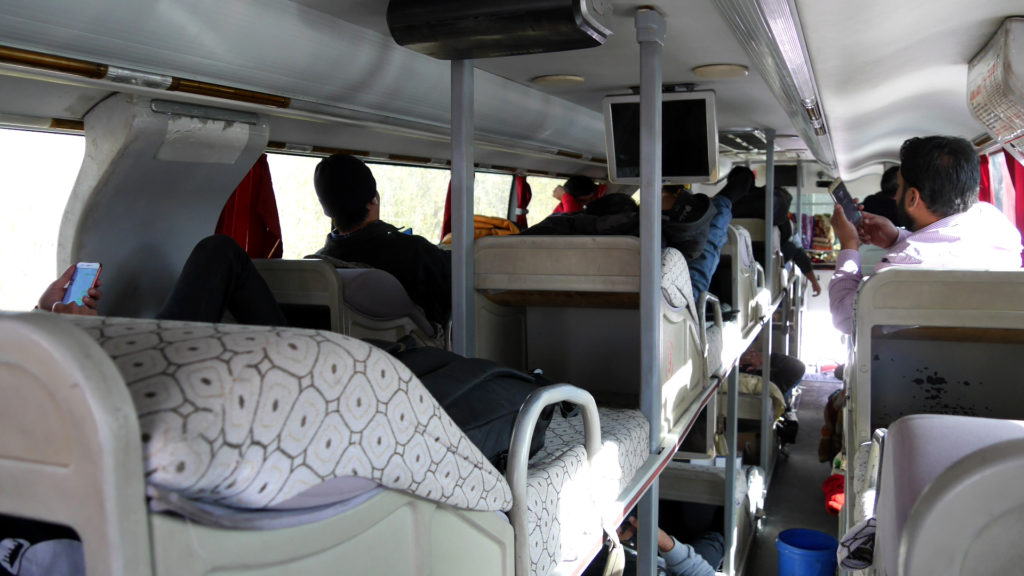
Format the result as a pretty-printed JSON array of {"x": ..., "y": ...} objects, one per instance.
[
  {"x": 689, "y": 138},
  {"x": 786, "y": 175}
]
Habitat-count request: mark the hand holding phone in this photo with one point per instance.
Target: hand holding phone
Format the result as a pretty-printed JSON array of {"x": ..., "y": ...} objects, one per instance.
[
  {"x": 842, "y": 197},
  {"x": 85, "y": 277}
]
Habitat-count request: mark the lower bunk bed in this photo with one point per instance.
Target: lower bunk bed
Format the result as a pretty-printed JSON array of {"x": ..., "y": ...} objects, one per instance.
[{"x": 186, "y": 448}]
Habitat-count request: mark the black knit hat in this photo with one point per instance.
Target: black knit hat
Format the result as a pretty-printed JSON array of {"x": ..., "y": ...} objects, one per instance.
[
  {"x": 344, "y": 185},
  {"x": 580, "y": 186}
]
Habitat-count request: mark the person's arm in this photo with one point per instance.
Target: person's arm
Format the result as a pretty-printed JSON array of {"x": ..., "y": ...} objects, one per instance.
[
  {"x": 791, "y": 251},
  {"x": 681, "y": 559},
  {"x": 879, "y": 231},
  {"x": 842, "y": 290},
  {"x": 54, "y": 294}
]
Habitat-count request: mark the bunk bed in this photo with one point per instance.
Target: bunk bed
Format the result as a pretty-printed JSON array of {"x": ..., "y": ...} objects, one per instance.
[
  {"x": 951, "y": 332},
  {"x": 567, "y": 305},
  {"x": 176, "y": 447}
]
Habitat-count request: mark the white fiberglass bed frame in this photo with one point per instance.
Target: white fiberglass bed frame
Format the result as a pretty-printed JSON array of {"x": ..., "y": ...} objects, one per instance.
[
  {"x": 567, "y": 305},
  {"x": 359, "y": 301},
  {"x": 84, "y": 467},
  {"x": 952, "y": 332},
  {"x": 954, "y": 510}
]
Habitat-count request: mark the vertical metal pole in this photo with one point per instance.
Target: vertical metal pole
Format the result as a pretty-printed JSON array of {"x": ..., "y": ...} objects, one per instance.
[
  {"x": 730, "y": 510},
  {"x": 799, "y": 228},
  {"x": 650, "y": 33},
  {"x": 463, "y": 323},
  {"x": 767, "y": 414}
]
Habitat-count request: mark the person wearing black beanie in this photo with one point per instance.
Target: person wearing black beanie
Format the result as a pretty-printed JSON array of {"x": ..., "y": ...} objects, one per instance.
[{"x": 348, "y": 194}]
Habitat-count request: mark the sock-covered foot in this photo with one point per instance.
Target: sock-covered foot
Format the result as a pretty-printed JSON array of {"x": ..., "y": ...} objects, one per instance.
[{"x": 738, "y": 183}]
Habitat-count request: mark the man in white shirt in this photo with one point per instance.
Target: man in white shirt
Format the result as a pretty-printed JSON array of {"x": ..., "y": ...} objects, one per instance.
[{"x": 945, "y": 225}]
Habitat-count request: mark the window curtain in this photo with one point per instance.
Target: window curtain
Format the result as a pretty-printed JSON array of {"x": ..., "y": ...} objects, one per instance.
[
  {"x": 250, "y": 214},
  {"x": 523, "y": 194},
  {"x": 446, "y": 223},
  {"x": 985, "y": 188},
  {"x": 1002, "y": 185},
  {"x": 1016, "y": 186}
]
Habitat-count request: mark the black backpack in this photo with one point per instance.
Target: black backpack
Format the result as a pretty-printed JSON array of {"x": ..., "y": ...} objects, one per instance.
[{"x": 482, "y": 397}]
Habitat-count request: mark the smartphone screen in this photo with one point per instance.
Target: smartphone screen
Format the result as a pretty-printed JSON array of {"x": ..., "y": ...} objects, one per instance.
[
  {"x": 84, "y": 278},
  {"x": 842, "y": 197}
]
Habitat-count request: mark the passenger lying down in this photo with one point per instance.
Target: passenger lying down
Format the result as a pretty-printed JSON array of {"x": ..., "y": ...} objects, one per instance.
[
  {"x": 694, "y": 224},
  {"x": 483, "y": 398}
]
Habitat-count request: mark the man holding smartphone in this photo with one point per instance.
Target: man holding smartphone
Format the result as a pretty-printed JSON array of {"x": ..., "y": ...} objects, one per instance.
[
  {"x": 944, "y": 225},
  {"x": 53, "y": 298}
]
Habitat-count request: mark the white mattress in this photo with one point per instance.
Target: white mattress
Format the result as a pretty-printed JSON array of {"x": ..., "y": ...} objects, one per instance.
[
  {"x": 564, "y": 514},
  {"x": 251, "y": 417},
  {"x": 918, "y": 449}
]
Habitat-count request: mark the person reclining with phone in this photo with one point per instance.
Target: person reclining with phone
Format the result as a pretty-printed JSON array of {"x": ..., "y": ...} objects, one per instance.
[
  {"x": 348, "y": 194},
  {"x": 218, "y": 277},
  {"x": 575, "y": 194},
  {"x": 943, "y": 224}
]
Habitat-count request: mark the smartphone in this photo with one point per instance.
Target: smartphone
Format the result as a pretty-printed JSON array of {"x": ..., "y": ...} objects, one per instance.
[
  {"x": 85, "y": 277},
  {"x": 842, "y": 197}
]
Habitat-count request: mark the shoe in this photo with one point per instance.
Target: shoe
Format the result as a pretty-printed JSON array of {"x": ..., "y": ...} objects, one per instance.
[{"x": 738, "y": 183}]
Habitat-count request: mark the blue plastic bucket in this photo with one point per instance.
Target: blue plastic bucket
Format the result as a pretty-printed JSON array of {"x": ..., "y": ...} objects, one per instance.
[{"x": 805, "y": 552}]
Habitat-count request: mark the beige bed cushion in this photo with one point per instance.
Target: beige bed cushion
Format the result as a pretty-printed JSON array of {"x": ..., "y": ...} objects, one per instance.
[
  {"x": 558, "y": 263},
  {"x": 250, "y": 416},
  {"x": 676, "y": 286},
  {"x": 565, "y": 496}
]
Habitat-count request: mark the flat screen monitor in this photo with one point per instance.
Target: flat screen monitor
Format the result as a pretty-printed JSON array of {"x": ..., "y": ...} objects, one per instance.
[
  {"x": 785, "y": 175},
  {"x": 689, "y": 138}
]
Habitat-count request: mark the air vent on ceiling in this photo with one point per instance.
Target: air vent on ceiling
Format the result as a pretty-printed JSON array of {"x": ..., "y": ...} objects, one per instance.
[
  {"x": 994, "y": 81},
  {"x": 467, "y": 29},
  {"x": 743, "y": 142}
]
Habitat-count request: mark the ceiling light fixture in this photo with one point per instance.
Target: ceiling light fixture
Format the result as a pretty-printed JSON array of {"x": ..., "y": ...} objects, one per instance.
[
  {"x": 769, "y": 31},
  {"x": 719, "y": 71},
  {"x": 557, "y": 80}
]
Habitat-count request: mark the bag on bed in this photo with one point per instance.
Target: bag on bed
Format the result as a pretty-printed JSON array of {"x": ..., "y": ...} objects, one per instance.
[{"x": 482, "y": 397}]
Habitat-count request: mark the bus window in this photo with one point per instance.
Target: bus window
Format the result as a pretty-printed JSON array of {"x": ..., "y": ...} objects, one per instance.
[
  {"x": 491, "y": 194},
  {"x": 37, "y": 173},
  {"x": 412, "y": 197},
  {"x": 543, "y": 202},
  {"x": 303, "y": 224}
]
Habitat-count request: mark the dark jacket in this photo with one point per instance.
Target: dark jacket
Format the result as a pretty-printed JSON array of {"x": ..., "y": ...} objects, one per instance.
[{"x": 423, "y": 269}]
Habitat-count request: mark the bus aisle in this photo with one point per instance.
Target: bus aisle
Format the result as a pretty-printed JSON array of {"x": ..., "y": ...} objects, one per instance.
[{"x": 796, "y": 499}]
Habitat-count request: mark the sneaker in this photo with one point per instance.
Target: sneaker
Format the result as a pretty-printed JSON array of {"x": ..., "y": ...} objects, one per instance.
[{"x": 738, "y": 183}]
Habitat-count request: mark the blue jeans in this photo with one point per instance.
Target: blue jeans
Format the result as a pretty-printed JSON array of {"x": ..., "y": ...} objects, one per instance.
[{"x": 703, "y": 266}]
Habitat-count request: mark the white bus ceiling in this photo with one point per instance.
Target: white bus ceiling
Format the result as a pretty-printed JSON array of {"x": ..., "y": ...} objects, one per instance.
[{"x": 885, "y": 71}]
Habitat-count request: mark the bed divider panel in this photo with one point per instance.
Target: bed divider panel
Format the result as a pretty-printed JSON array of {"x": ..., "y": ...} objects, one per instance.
[
  {"x": 568, "y": 305},
  {"x": 932, "y": 342},
  {"x": 358, "y": 301}
]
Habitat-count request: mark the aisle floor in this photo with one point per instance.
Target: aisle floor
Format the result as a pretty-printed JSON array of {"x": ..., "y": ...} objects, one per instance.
[{"x": 795, "y": 498}]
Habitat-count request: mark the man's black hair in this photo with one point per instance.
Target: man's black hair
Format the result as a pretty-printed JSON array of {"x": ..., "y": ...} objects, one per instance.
[
  {"x": 890, "y": 183},
  {"x": 580, "y": 186},
  {"x": 344, "y": 185},
  {"x": 944, "y": 169}
]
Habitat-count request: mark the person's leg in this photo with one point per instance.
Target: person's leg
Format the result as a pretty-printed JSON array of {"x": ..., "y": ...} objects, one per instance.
[
  {"x": 217, "y": 277},
  {"x": 703, "y": 266},
  {"x": 786, "y": 372}
]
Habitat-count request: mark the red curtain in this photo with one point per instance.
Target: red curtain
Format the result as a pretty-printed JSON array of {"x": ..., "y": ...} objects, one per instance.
[
  {"x": 523, "y": 196},
  {"x": 250, "y": 214},
  {"x": 446, "y": 223},
  {"x": 1016, "y": 171},
  {"x": 985, "y": 189}
]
